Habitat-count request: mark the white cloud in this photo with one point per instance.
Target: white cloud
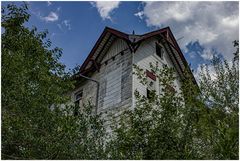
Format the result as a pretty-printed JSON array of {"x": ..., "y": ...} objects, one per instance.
[
  {"x": 58, "y": 9},
  {"x": 105, "y": 8},
  {"x": 64, "y": 24},
  {"x": 214, "y": 24},
  {"x": 51, "y": 17},
  {"x": 67, "y": 24},
  {"x": 139, "y": 14},
  {"x": 192, "y": 54},
  {"x": 207, "y": 54},
  {"x": 231, "y": 21},
  {"x": 49, "y": 3},
  {"x": 197, "y": 73}
]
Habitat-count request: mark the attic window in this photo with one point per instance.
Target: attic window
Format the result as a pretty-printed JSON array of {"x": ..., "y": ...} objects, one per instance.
[{"x": 159, "y": 50}]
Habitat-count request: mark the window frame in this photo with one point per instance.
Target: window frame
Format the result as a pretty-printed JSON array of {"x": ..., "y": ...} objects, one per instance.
[
  {"x": 159, "y": 49},
  {"x": 77, "y": 101}
]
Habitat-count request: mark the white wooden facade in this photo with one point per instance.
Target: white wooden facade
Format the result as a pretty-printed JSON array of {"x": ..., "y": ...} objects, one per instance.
[
  {"x": 145, "y": 55},
  {"x": 115, "y": 58}
]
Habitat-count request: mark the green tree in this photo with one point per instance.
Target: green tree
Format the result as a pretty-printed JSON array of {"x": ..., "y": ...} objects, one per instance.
[
  {"x": 159, "y": 127},
  {"x": 35, "y": 124},
  {"x": 194, "y": 123},
  {"x": 38, "y": 121},
  {"x": 220, "y": 92}
]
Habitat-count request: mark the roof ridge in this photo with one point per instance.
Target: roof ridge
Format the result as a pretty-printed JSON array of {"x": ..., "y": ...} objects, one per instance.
[{"x": 114, "y": 29}]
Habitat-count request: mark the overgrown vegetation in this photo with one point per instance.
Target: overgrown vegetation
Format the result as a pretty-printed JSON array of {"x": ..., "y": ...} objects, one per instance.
[
  {"x": 205, "y": 126},
  {"x": 33, "y": 81}
]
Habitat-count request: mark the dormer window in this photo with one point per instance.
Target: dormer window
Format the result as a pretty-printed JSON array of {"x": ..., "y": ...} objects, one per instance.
[{"x": 159, "y": 50}]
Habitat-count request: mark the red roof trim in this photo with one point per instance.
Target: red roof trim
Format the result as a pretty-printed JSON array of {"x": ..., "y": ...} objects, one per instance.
[
  {"x": 153, "y": 33},
  {"x": 93, "y": 50},
  {"x": 121, "y": 35},
  {"x": 181, "y": 54}
]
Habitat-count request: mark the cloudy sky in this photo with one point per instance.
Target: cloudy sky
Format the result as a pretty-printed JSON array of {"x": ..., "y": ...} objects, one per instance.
[{"x": 201, "y": 28}]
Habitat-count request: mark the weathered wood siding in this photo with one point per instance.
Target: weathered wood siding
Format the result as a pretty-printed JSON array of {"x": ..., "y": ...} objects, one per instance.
[
  {"x": 117, "y": 83},
  {"x": 146, "y": 54},
  {"x": 117, "y": 46},
  {"x": 115, "y": 77}
]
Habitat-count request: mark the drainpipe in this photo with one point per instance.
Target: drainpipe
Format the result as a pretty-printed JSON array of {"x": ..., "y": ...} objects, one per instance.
[{"x": 98, "y": 84}]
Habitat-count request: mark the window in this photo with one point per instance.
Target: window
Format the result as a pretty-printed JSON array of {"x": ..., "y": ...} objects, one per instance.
[
  {"x": 148, "y": 93},
  {"x": 78, "y": 101},
  {"x": 78, "y": 95},
  {"x": 159, "y": 50},
  {"x": 151, "y": 83}
]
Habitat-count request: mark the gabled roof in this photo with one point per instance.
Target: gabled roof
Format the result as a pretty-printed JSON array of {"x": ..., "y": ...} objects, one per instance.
[
  {"x": 133, "y": 41},
  {"x": 107, "y": 32}
]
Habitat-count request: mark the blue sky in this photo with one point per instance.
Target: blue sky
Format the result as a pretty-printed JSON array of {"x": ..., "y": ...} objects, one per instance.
[{"x": 207, "y": 28}]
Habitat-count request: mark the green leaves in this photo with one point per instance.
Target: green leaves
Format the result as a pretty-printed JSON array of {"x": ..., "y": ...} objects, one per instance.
[
  {"x": 151, "y": 129},
  {"x": 38, "y": 122},
  {"x": 34, "y": 88},
  {"x": 193, "y": 123}
]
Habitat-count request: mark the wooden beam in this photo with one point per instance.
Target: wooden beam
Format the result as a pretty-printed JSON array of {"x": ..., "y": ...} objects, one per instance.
[{"x": 103, "y": 47}]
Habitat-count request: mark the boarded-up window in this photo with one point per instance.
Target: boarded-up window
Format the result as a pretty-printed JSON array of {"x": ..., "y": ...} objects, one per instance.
[{"x": 113, "y": 88}]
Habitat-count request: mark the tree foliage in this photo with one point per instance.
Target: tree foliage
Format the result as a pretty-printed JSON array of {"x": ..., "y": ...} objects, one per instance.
[
  {"x": 34, "y": 84},
  {"x": 220, "y": 92},
  {"x": 194, "y": 122},
  {"x": 159, "y": 127}
]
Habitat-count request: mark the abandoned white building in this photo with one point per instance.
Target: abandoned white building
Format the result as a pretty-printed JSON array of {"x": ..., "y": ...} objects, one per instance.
[{"x": 110, "y": 65}]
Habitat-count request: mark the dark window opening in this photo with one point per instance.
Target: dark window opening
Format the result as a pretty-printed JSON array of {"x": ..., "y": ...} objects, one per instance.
[
  {"x": 78, "y": 98},
  {"x": 106, "y": 62},
  {"x": 159, "y": 51},
  {"x": 122, "y": 53},
  {"x": 113, "y": 58},
  {"x": 148, "y": 94},
  {"x": 76, "y": 108},
  {"x": 151, "y": 93},
  {"x": 78, "y": 95}
]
